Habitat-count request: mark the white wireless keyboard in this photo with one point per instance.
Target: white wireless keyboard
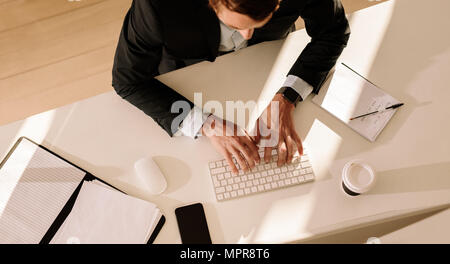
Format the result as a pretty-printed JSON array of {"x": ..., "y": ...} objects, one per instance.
[{"x": 264, "y": 177}]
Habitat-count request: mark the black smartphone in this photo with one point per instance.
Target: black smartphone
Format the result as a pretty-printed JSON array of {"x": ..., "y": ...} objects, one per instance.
[{"x": 192, "y": 224}]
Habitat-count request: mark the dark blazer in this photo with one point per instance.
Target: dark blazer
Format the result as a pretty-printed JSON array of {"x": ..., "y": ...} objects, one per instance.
[{"x": 159, "y": 36}]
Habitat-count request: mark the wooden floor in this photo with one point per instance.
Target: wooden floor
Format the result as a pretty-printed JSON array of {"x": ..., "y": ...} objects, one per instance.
[{"x": 55, "y": 52}]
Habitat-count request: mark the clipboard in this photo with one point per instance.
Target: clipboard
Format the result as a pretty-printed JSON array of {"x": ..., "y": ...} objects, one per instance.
[{"x": 59, "y": 220}]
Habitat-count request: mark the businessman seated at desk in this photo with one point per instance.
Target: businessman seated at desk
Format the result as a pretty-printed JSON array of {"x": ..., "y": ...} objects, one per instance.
[{"x": 159, "y": 36}]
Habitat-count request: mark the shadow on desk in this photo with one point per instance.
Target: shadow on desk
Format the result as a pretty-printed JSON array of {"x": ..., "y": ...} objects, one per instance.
[
  {"x": 177, "y": 172},
  {"x": 413, "y": 179}
]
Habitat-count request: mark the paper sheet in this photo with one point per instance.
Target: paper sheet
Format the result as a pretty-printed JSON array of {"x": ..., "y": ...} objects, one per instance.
[
  {"x": 105, "y": 216},
  {"x": 34, "y": 187},
  {"x": 346, "y": 94}
]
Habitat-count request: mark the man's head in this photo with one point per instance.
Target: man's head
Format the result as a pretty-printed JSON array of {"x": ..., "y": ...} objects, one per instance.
[{"x": 244, "y": 15}]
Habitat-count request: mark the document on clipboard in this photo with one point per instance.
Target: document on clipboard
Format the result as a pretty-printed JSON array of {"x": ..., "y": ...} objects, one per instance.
[{"x": 346, "y": 94}]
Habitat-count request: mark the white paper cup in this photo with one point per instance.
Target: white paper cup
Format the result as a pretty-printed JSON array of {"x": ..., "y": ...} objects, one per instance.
[{"x": 357, "y": 177}]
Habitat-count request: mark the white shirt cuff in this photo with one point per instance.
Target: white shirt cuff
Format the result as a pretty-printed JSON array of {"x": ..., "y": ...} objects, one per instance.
[
  {"x": 192, "y": 124},
  {"x": 299, "y": 85}
]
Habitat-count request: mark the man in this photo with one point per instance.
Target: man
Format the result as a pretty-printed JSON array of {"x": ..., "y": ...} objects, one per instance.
[{"x": 159, "y": 36}]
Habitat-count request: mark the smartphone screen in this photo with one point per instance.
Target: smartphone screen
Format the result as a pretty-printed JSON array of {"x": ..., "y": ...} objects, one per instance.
[{"x": 192, "y": 224}]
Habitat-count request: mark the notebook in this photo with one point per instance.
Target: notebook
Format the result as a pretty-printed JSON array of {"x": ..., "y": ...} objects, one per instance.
[
  {"x": 346, "y": 94},
  {"x": 46, "y": 199}
]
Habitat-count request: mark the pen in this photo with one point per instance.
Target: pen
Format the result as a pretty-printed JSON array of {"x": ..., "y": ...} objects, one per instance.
[{"x": 387, "y": 108}]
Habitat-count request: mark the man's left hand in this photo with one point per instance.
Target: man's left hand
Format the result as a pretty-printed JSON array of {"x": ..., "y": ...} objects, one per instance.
[{"x": 282, "y": 130}]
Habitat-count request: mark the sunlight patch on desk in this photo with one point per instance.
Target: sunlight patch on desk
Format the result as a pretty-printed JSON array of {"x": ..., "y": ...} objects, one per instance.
[
  {"x": 285, "y": 218},
  {"x": 38, "y": 126},
  {"x": 322, "y": 144},
  {"x": 364, "y": 55}
]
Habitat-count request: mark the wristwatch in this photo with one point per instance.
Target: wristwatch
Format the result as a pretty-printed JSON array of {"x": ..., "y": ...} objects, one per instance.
[{"x": 290, "y": 94}]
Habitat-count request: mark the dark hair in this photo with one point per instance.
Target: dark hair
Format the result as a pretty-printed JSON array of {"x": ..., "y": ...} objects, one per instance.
[{"x": 258, "y": 10}]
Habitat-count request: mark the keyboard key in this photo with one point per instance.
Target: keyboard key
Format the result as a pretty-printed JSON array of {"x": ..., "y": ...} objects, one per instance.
[
  {"x": 302, "y": 171},
  {"x": 276, "y": 177},
  {"x": 230, "y": 181},
  {"x": 260, "y": 167},
  {"x": 227, "y": 175},
  {"x": 216, "y": 183},
  {"x": 255, "y": 182},
  {"x": 244, "y": 178},
  {"x": 260, "y": 188},
  {"x": 267, "y": 186},
  {"x": 218, "y": 163},
  {"x": 290, "y": 167},
  {"x": 269, "y": 179},
  {"x": 267, "y": 166},
  {"x": 218, "y": 170},
  {"x": 220, "y": 176},
  {"x": 220, "y": 197},
  {"x": 301, "y": 179},
  {"x": 288, "y": 182},
  {"x": 306, "y": 164},
  {"x": 274, "y": 185},
  {"x": 229, "y": 188},
  {"x": 289, "y": 175},
  {"x": 309, "y": 170},
  {"x": 294, "y": 180},
  {"x": 296, "y": 173},
  {"x": 233, "y": 194},
  {"x": 226, "y": 195},
  {"x": 242, "y": 185},
  {"x": 277, "y": 170},
  {"x": 257, "y": 175},
  {"x": 235, "y": 186},
  {"x": 270, "y": 172},
  {"x": 280, "y": 183},
  {"x": 309, "y": 177},
  {"x": 262, "y": 181},
  {"x": 284, "y": 169},
  {"x": 223, "y": 182},
  {"x": 251, "y": 176},
  {"x": 304, "y": 158},
  {"x": 240, "y": 192},
  {"x": 220, "y": 190},
  {"x": 249, "y": 184},
  {"x": 274, "y": 165},
  {"x": 224, "y": 163},
  {"x": 212, "y": 165},
  {"x": 247, "y": 190},
  {"x": 264, "y": 173},
  {"x": 237, "y": 179},
  {"x": 228, "y": 168},
  {"x": 254, "y": 189}
]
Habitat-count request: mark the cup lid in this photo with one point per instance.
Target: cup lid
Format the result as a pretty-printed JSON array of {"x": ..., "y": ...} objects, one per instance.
[{"x": 358, "y": 176}]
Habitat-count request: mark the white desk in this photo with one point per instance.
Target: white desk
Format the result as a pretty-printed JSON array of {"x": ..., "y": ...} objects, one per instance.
[
  {"x": 401, "y": 46},
  {"x": 431, "y": 230}
]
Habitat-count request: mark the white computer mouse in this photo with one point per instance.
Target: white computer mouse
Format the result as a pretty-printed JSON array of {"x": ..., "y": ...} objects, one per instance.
[{"x": 148, "y": 170}]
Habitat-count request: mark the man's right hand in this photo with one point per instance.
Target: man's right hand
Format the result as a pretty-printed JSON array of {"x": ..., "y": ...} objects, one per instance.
[{"x": 231, "y": 141}]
